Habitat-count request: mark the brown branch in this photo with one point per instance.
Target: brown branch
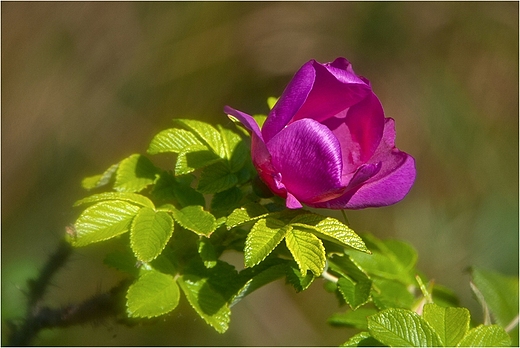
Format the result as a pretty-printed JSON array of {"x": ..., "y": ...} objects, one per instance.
[{"x": 39, "y": 317}]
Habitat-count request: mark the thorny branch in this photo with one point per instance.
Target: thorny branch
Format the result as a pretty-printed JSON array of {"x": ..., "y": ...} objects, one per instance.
[{"x": 39, "y": 317}]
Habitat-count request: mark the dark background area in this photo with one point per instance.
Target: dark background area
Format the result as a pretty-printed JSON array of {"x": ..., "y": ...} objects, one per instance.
[{"x": 85, "y": 84}]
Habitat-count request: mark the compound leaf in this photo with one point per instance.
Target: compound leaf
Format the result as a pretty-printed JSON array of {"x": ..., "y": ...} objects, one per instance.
[
  {"x": 102, "y": 221},
  {"x": 153, "y": 294},
  {"x": 150, "y": 232}
]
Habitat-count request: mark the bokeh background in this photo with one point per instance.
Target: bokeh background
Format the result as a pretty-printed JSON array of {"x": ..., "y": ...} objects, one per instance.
[{"x": 85, "y": 84}]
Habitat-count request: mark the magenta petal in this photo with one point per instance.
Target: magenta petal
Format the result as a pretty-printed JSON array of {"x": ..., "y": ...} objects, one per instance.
[
  {"x": 308, "y": 157},
  {"x": 290, "y": 101},
  {"x": 247, "y": 120},
  {"x": 333, "y": 91}
]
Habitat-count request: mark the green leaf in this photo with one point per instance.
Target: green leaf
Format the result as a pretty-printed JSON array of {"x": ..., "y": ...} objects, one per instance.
[
  {"x": 134, "y": 174},
  {"x": 150, "y": 232},
  {"x": 486, "y": 336},
  {"x": 195, "y": 219},
  {"x": 264, "y": 236},
  {"x": 271, "y": 101},
  {"x": 402, "y": 328},
  {"x": 122, "y": 260},
  {"x": 391, "y": 259},
  {"x": 168, "y": 188},
  {"x": 235, "y": 149},
  {"x": 355, "y": 294},
  {"x": 343, "y": 264},
  {"x": 207, "y": 252},
  {"x": 172, "y": 140},
  {"x": 205, "y": 132},
  {"x": 134, "y": 198},
  {"x": 208, "y": 303},
  {"x": 500, "y": 293},
  {"x": 216, "y": 178},
  {"x": 224, "y": 202},
  {"x": 100, "y": 180},
  {"x": 297, "y": 280},
  {"x": 102, "y": 221},
  {"x": 194, "y": 157},
  {"x": 362, "y": 339},
  {"x": 153, "y": 294},
  {"x": 331, "y": 229},
  {"x": 450, "y": 323},
  {"x": 391, "y": 294},
  {"x": 307, "y": 250},
  {"x": 249, "y": 212},
  {"x": 354, "y": 319},
  {"x": 259, "y": 276}
]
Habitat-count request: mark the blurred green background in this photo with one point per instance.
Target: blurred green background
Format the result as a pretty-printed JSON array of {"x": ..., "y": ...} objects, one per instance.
[{"x": 85, "y": 84}]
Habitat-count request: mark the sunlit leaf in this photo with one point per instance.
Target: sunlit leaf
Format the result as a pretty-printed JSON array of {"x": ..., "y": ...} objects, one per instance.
[
  {"x": 130, "y": 197},
  {"x": 355, "y": 294},
  {"x": 235, "y": 149},
  {"x": 298, "y": 280},
  {"x": 450, "y": 323},
  {"x": 486, "y": 336},
  {"x": 134, "y": 174},
  {"x": 402, "y": 328},
  {"x": 265, "y": 235},
  {"x": 150, "y": 232},
  {"x": 194, "y": 157},
  {"x": 208, "y": 303},
  {"x": 331, "y": 229},
  {"x": 195, "y": 219},
  {"x": 100, "y": 180},
  {"x": 153, "y": 294},
  {"x": 362, "y": 339},
  {"x": 102, "y": 221},
  {"x": 249, "y": 212},
  {"x": 207, "y": 252},
  {"x": 307, "y": 250},
  {"x": 172, "y": 140},
  {"x": 205, "y": 132}
]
